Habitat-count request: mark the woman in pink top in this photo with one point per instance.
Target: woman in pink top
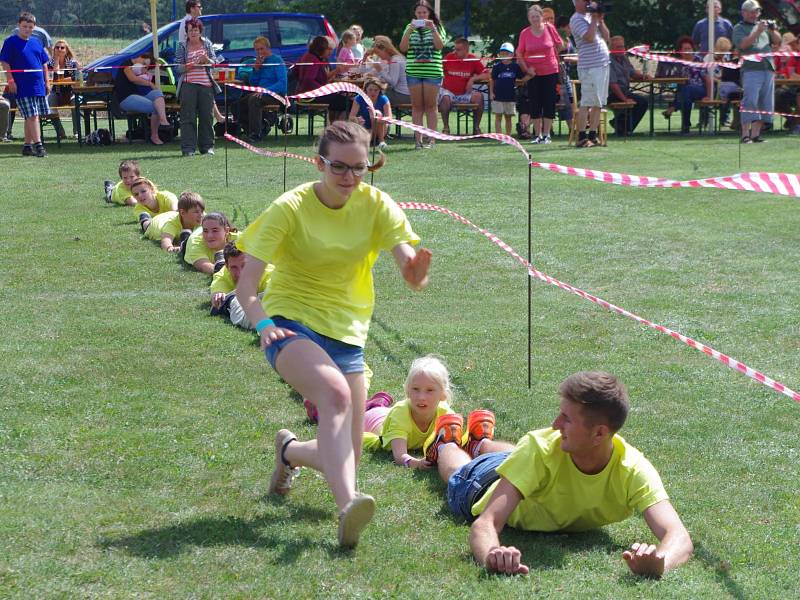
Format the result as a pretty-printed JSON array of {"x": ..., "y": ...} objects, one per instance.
[{"x": 537, "y": 54}]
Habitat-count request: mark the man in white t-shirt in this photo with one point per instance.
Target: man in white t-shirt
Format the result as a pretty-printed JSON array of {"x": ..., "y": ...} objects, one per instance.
[
  {"x": 194, "y": 8},
  {"x": 591, "y": 37}
]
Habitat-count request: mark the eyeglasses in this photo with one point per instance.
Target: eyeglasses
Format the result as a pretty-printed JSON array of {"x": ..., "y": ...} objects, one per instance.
[{"x": 338, "y": 168}]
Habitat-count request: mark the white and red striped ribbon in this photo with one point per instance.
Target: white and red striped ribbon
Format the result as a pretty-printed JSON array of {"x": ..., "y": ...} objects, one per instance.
[
  {"x": 766, "y": 112},
  {"x": 782, "y": 184},
  {"x": 762, "y": 55},
  {"x": 260, "y": 90},
  {"x": 708, "y": 350},
  {"x": 644, "y": 52},
  {"x": 267, "y": 153}
]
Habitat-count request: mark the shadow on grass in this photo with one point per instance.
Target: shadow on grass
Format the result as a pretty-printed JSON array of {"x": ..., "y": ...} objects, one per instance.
[
  {"x": 261, "y": 532},
  {"x": 721, "y": 570}
]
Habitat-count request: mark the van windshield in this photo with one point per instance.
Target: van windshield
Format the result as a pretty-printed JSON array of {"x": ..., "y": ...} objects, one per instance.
[{"x": 145, "y": 42}]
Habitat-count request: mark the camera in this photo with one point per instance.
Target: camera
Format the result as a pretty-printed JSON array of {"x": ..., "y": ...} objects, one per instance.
[
  {"x": 418, "y": 22},
  {"x": 771, "y": 25},
  {"x": 599, "y": 7}
]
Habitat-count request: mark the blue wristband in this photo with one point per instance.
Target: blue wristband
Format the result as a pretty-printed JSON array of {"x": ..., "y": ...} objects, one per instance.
[{"x": 263, "y": 324}]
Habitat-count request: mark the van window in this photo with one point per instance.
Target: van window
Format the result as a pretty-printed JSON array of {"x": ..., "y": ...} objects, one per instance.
[
  {"x": 240, "y": 36},
  {"x": 168, "y": 45},
  {"x": 296, "y": 30}
]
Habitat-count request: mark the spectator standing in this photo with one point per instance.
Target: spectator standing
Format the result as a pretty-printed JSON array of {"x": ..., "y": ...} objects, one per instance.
[
  {"x": 422, "y": 41},
  {"x": 393, "y": 72},
  {"x": 462, "y": 70},
  {"x": 619, "y": 87},
  {"x": 752, "y": 36},
  {"x": 196, "y": 90},
  {"x": 194, "y": 8},
  {"x": 591, "y": 37},
  {"x": 268, "y": 72},
  {"x": 537, "y": 54},
  {"x": 722, "y": 28},
  {"x": 22, "y": 52},
  {"x": 503, "y": 84}
]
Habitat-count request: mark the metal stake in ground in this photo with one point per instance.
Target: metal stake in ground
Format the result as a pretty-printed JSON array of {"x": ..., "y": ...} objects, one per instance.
[
  {"x": 285, "y": 137},
  {"x": 530, "y": 176},
  {"x": 226, "y": 135}
]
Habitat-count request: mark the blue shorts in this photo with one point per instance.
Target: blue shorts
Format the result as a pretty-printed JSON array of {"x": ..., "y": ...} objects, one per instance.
[
  {"x": 349, "y": 358},
  {"x": 466, "y": 486},
  {"x": 420, "y": 80}
]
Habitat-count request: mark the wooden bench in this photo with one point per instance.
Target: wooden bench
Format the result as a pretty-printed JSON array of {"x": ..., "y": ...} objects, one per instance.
[
  {"x": 624, "y": 107},
  {"x": 313, "y": 110},
  {"x": 712, "y": 110},
  {"x": 465, "y": 111}
]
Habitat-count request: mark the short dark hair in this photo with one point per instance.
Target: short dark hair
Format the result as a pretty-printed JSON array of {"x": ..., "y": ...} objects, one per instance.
[
  {"x": 26, "y": 17},
  {"x": 603, "y": 397},
  {"x": 684, "y": 39},
  {"x": 230, "y": 251},
  {"x": 190, "y": 4},
  {"x": 461, "y": 40},
  {"x": 197, "y": 23}
]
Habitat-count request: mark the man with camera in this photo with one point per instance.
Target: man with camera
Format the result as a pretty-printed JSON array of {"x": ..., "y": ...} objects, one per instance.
[
  {"x": 753, "y": 36},
  {"x": 591, "y": 37}
]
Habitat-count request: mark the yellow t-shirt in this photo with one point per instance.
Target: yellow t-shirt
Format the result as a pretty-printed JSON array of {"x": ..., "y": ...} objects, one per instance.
[
  {"x": 196, "y": 248},
  {"x": 167, "y": 201},
  {"x": 121, "y": 193},
  {"x": 400, "y": 424},
  {"x": 556, "y": 496},
  {"x": 323, "y": 257},
  {"x": 167, "y": 222},
  {"x": 222, "y": 281}
]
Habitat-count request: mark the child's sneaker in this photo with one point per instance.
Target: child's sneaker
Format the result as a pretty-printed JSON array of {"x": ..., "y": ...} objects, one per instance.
[
  {"x": 353, "y": 518},
  {"x": 448, "y": 429},
  {"x": 536, "y": 140},
  {"x": 480, "y": 426},
  {"x": 144, "y": 221},
  {"x": 311, "y": 411},
  {"x": 108, "y": 188},
  {"x": 379, "y": 399},
  {"x": 546, "y": 140},
  {"x": 284, "y": 475}
]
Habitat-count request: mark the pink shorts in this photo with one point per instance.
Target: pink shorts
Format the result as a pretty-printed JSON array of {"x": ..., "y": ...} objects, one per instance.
[{"x": 374, "y": 418}]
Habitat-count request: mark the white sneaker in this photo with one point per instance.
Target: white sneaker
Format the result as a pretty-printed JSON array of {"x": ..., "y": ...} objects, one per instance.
[
  {"x": 545, "y": 140},
  {"x": 383, "y": 146},
  {"x": 536, "y": 140},
  {"x": 283, "y": 475}
]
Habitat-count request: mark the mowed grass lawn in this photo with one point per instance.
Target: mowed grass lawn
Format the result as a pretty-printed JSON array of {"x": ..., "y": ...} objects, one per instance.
[{"x": 136, "y": 431}]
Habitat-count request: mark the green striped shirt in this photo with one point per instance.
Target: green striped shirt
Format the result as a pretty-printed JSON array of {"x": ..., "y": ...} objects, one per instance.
[{"x": 423, "y": 59}]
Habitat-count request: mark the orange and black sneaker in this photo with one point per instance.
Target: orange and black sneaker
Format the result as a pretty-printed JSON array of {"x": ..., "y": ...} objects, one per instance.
[
  {"x": 448, "y": 429},
  {"x": 480, "y": 426}
]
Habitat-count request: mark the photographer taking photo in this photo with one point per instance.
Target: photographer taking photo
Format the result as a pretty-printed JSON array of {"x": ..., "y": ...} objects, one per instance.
[
  {"x": 591, "y": 36},
  {"x": 753, "y": 36}
]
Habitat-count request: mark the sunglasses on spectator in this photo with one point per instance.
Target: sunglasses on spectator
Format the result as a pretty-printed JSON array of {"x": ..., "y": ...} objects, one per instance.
[
  {"x": 61, "y": 47},
  {"x": 338, "y": 168}
]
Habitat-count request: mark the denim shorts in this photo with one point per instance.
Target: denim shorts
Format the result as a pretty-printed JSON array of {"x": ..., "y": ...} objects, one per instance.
[
  {"x": 349, "y": 358},
  {"x": 466, "y": 486},
  {"x": 420, "y": 80}
]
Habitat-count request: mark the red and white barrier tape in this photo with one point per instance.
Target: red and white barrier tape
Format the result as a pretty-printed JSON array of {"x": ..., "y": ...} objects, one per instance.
[
  {"x": 253, "y": 88},
  {"x": 267, "y": 153},
  {"x": 762, "y": 55},
  {"x": 715, "y": 354},
  {"x": 782, "y": 184},
  {"x": 766, "y": 112},
  {"x": 644, "y": 52}
]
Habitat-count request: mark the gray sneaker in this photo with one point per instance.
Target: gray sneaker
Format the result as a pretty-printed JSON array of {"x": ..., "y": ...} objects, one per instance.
[
  {"x": 353, "y": 518},
  {"x": 108, "y": 187},
  {"x": 283, "y": 476}
]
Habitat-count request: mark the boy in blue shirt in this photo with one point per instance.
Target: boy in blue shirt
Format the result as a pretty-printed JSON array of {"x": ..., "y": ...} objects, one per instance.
[
  {"x": 502, "y": 86},
  {"x": 23, "y": 52}
]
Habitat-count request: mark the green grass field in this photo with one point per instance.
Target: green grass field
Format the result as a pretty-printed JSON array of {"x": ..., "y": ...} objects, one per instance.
[{"x": 136, "y": 430}]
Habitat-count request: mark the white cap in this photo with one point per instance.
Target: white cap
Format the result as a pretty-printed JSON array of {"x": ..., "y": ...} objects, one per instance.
[
  {"x": 750, "y": 5},
  {"x": 507, "y": 47}
]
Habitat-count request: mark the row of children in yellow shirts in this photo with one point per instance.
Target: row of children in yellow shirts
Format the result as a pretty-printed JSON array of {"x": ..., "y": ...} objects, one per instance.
[{"x": 207, "y": 242}]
